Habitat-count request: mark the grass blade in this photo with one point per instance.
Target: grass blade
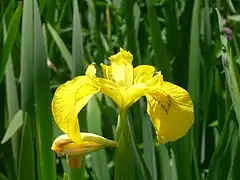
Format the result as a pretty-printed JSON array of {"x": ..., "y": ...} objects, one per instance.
[
  {"x": 132, "y": 41},
  {"x": 164, "y": 163},
  {"x": 162, "y": 61},
  {"x": 14, "y": 125},
  {"x": 230, "y": 72},
  {"x": 10, "y": 38},
  {"x": 148, "y": 147},
  {"x": 63, "y": 49},
  {"x": 26, "y": 168},
  {"x": 77, "y": 45},
  {"x": 12, "y": 103},
  {"x": 99, "y": 159},
  {"x": 42, "y": 102},
  {"x": 222, "y": 161}
]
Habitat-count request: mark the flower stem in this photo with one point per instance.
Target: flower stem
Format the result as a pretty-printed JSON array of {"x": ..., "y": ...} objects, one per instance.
[{"x": 125, "y": 159}]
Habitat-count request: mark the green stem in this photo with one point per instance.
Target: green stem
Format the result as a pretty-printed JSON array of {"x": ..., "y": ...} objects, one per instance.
[{"x": 125, "y": 161}]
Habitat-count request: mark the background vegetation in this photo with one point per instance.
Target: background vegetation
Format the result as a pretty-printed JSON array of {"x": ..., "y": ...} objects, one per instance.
[{"x": 44, "y": 43}]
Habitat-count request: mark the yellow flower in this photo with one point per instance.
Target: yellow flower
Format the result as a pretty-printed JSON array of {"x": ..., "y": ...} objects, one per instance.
[
  {"x": 90, "y": 142},
  {"x": 169, "y": 106}
]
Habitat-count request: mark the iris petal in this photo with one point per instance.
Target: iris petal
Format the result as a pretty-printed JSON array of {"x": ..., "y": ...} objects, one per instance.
[
  {"x": 68, "y": 100},
  {"x": 142, "y": 73},
  {"x": 90, "y": 142},
  {"x": 122, "y": 69},
  {"x": 107, "y": 71},
  {"x": 171, "y": 111}
]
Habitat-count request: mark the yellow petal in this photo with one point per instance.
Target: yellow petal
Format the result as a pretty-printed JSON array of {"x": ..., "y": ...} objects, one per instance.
[
  {"x": 90, "y": 137},
  {"x": 91, "y": 70},
  {"x": 133, "y": 94},
  {"x": 110, "y": 89},
  {"x": 90, "y": 142},
  {"x": 107, "y": 71},
  {"x": 122, "y": 69},
  {"x": 171, "y": 111},
  {"x": 155, "y": 82},
  {"x": 68, "y": 100},
  {"x": 143, "y": 73}
]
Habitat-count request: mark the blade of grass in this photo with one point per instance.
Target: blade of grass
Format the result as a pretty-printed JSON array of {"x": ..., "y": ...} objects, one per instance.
[
  {"x": 7, "y": 14},
  {"x": 7, "y": 160},
  {"x": 77, "y": 45},
  {"x": 77, "y": 69},
  {"x": 131, "y": 32},
  {"x": 230, "y": 71},
  {"x": 2, "y": 177},
  {"x": 50, "y": 6},
  {"x": 223, "y": 158},
  {"x": 26, "y": 168},
  {"x": 94, "y": 124},
  {"x": 164, "y": 163},
  {"x": 14, "y": 125},
  {"x": 161, "y": 56},
  {"x": 63, "y": 49},
  {"x": 12, "y": 103},
  {"x": 42, "y": 103},
  {"x": 236, "y": 166},
  {"x": 144, "y": 171},
  {"x": 148, "y": 147},
  {"x": 208, "y": 78},
  {"x": 10, "y": 38},
  {"x": 184, "y": 148}
]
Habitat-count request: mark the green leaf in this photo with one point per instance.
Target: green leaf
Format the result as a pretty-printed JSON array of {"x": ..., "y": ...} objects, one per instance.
[
  {"x": 94, "y": 124},
  {"x": 12, "y": 102},
  {"x": 161, "y": 55},
  {"x": 26, "y": 167},
  {"x": 14, "y": 125},
  {"x": 77, "y": 45},
  {"x": 2, "y": 177},
  {"x": 63, "y": 49},
  {"x": 148, "y": 147},
  {"x": 125, "y": 159},
  {"x": 235, "y": 18},
  {"x": 164, "y": 163},
  {"x": 223, "y": 158},
  {"x": 46, "y": 158},
  {"x": 10, "y": 38},
  {"x": 229, "y": 67},
  {"x": 131, "y": 32}
]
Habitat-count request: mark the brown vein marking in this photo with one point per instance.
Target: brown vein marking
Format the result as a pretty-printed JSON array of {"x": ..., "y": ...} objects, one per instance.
[{"x": 169, "y": 104}]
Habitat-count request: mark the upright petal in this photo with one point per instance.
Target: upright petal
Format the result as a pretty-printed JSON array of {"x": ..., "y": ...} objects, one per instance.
[
  {"x": 171, "y": 110},
  {"x": 68, "y": 100},
  {"x": 107, "y": 71},
  {"x": 122, "y": 69},
  {"x": 143, "y": 73}
]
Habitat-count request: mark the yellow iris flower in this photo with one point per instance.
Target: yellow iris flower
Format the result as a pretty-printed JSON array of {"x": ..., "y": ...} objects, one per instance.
[{"x": 169, "y": 106}]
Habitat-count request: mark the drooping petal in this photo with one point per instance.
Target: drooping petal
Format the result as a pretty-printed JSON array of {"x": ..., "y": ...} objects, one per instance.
[
  {"x": 68, "y": 100},
  {"x": 63, "y": 145},
  {"x": 171, "y": 111},
  {"x": 122, "y": 69},
  {"x": 143, "y": 73}
]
